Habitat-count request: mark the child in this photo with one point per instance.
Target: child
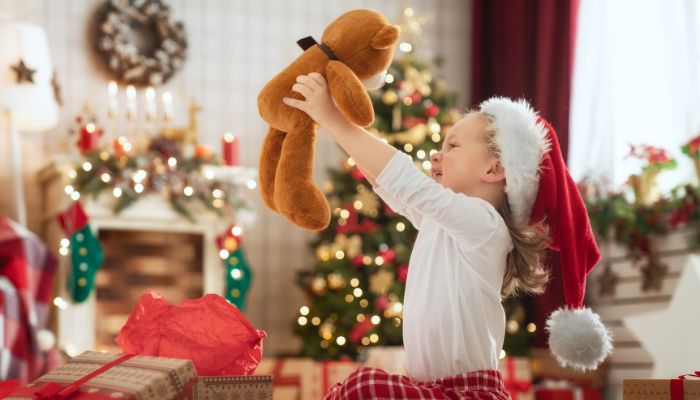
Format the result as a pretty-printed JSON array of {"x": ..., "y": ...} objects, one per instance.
[{"x": 475, "y": 245}]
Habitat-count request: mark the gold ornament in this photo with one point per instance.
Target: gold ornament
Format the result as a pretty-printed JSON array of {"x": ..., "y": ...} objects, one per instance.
[
  {"x": 395, "y": 310},
  {"x": 326, "y": 330},
  {"x": 380, "y": 282},
  {"x": 415, "y": 80},
  {"x": 336, "y": 281},
  {"x": 390, "y": 97},
  {"x": 370, "y": 202},
  {"x": 318, "y": 285},
  {"x": 351, "y": 246},
  {"x": 414, "y": 135},
  {"x": 323, "y": 252},
  {"x": 186, "y": 134}
]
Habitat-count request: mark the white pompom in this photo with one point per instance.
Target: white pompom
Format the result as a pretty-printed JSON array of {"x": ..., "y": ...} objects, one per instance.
[
  {"x": 578, "y": 339},
  {"x": 46, "y": 339}
]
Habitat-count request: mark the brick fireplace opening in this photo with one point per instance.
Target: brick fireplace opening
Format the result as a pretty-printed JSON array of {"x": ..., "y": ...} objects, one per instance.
[{"x": 136, "y": 261}]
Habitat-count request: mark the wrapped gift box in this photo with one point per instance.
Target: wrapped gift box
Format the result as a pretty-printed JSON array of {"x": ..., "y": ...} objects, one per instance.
[
  {"x": 289, "y": 375},
  {"x": 234, "y": 387},
  {"x": 517, "y": 377},
  {"x": 648, "y": 389},
  {"x": 326, "y": 374},
  {"x": 142, "y": 377},
  {"x": 304, "y": 378}
]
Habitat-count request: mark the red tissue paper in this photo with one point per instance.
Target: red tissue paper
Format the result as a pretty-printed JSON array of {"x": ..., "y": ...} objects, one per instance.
[{"x": 210, "y": 331}]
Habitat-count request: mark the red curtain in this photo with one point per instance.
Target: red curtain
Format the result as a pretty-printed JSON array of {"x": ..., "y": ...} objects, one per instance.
[{"x": 525, "y": 48}]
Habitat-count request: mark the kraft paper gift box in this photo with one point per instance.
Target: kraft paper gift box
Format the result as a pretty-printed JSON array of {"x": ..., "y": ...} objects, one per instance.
[
  {"x": 671, "y": 389},
  {"x": 123, "y": 377}
]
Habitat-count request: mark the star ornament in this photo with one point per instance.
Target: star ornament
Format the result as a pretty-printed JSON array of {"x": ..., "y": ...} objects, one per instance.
[
  {"x": 24, "y": 73},
  {"x": 671, "y": 335}
]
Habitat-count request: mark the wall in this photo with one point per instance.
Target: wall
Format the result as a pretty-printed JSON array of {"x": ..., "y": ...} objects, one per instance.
[{"x": 234, "y": 48}]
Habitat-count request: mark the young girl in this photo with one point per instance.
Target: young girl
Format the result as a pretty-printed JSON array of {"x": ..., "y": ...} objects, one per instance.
[{"x": 475, "y": 244}]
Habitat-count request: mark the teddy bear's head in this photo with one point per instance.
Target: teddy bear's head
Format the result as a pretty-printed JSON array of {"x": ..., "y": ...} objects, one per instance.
[{"x": 364, "y": 41}]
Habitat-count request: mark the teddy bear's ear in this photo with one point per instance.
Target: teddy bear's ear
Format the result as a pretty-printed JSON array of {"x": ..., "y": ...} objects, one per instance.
[{"x": 386, "y": 37}]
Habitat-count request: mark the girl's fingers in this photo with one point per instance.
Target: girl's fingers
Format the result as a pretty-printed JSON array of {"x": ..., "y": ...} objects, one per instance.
[
  {"x": 293, "y": 102},
  {"x": 303, "y": 90},
  {"x": 318, "y": 78},
  {"x": 306, "y": 80}
]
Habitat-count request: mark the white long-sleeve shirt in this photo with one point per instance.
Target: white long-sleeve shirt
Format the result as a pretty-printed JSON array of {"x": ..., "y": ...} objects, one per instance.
[{"x": 453, "y": 319}]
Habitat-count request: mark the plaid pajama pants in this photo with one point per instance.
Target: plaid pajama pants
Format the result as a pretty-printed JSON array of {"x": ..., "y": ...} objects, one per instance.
[{"x": 376, "y": 384}]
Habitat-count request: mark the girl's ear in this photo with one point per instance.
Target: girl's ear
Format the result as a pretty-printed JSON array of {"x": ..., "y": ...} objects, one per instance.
[{"x": 495, "y": 173}]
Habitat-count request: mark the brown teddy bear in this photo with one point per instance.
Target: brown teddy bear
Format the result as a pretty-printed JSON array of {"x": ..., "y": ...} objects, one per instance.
[{"x": 356, "y": 49}]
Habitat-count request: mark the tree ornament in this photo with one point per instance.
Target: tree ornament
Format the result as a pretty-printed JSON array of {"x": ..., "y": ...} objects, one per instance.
[
  {"x": 318, "y": 285},
  {"x": 390, "y": 97},
  {"x": 370, "y": 203},
  {"x": 380, "y": 282}
]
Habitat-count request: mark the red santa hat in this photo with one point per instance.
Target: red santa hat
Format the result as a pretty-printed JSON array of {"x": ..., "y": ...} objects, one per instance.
[{"x": 538, "y": 187}]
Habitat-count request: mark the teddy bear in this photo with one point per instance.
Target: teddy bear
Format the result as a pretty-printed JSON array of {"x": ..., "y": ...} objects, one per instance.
[{"x": 355, "y": 51}]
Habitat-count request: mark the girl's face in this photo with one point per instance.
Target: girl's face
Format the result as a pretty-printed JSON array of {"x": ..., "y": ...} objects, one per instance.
[{"x": 465, "y": 162}]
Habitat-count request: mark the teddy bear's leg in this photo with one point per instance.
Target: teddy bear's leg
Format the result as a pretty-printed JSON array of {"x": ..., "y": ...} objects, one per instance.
[
  {"x": 272, "y": 147},
  {"x": 296, "y": 195}
]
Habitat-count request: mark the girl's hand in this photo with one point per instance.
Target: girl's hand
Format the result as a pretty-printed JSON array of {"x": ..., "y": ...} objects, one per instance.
[{"x": 317, "y": 103}]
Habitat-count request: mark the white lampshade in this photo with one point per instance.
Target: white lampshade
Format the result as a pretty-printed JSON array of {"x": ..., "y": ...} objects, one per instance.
[{"x": 32, "y": 105}]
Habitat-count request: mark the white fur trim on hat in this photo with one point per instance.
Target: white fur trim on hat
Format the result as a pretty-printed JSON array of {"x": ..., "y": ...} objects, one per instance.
[
  {"x": 523, "y": 142},
  {"x": 578, "y": 338}
]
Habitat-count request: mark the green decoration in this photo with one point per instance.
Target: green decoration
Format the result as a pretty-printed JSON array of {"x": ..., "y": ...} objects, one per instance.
[
  {"x": 238, "y": 273},
  {"x": 238, "y": 278},
  {"x": 85, "y": 252}
]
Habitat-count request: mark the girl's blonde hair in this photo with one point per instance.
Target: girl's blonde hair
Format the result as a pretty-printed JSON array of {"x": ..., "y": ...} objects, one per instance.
[{"x": 524, "y": 270}]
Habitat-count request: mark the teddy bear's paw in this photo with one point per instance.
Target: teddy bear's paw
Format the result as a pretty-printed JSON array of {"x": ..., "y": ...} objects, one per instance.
[
  {"x": 305, "y": 206},
  {"x": 313, "y": 222}
]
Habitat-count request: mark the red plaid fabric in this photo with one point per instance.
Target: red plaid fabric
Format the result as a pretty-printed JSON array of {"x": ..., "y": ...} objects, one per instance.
[
  {"x": 26, "y": 281},
  {"x": 376, "y": 384}
]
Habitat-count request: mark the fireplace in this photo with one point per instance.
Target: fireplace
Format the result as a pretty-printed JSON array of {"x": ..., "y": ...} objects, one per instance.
[
  {"x": 137, "y": 261},
  {"x": 147, "y": 246}
]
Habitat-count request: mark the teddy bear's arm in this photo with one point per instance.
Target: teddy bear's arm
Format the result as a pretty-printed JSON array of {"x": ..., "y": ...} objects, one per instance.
[{"x": 349, "y": 94}]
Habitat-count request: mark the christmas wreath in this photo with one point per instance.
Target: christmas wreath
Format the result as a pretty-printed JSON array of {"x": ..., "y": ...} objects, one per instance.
[{"x": 139, "y": 41}]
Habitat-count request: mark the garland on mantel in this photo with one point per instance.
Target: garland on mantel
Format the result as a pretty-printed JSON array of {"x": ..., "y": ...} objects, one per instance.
[{"x": 128, "y": 172}]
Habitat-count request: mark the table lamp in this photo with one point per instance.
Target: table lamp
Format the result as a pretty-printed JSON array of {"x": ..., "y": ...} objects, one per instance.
[{"x": 27, "y": 101}]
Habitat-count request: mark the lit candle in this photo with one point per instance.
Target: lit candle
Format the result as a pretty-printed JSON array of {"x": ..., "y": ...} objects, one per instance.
[
  {"x": 230, "y": 149},
  {"x": 130, "y": 101},
  {"x": 89, "y": 138},
  {"x": 168, "y": 105},
  {"x": 113, "y": 91},
  {"x": 150, "y": 104}
]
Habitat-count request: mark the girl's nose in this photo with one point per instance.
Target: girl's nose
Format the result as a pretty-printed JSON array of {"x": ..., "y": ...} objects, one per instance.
[{"x": 437, "y": 157}]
